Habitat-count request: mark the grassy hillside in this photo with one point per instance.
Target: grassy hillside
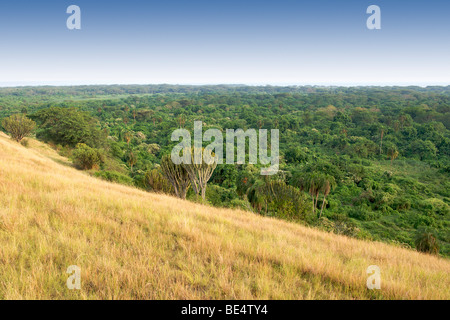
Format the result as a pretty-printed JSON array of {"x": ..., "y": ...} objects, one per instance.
[{"x": 138, "y": 245}]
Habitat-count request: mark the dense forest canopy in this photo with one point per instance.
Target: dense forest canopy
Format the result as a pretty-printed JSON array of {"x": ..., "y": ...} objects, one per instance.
[{"x": 369, "y": 162}]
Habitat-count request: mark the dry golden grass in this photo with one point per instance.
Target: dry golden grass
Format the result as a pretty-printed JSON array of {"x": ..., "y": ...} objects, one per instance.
[{"x": 136, "y": 245}]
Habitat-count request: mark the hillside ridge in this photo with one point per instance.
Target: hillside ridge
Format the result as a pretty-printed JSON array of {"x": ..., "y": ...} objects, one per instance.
[{"x": 131, "y": 244}]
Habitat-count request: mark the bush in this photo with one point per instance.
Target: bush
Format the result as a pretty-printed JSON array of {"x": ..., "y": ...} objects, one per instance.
[
  {"x": 18, "y": 126},
  {"x": 339, "y": 224},
  {"x": 114, "y": 176},
  {"x": 219, "y": 196},
  {"x": 155, "y": 181},
  {"x": 275, "y": 198},
  {"x": 426, "y": 242},
  {"x": 240, "y": 204},
  {"x": 86, "y": 157}
]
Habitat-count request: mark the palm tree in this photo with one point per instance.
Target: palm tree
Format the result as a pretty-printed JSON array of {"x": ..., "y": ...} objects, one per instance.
[
  {"x": 316, "y": 183},
  {"x": 128, "y": 136},
  {"x": 393, "y": 153},
  {"x": 328, "y": 183},
  {"x": 132, "y": 159}
]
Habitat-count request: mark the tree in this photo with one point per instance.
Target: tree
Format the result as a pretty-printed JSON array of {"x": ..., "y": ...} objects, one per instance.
[
  {"x": 181, "y": 120},
  {"x": 393, "y": 153},
  {"x": 275, "y": 197},
  {"x": 68, "y": 126},
  {"x": 128, "y": 136},
  {"x": 310, "y": 182},
  {"x": 177, "y": 176},
  {"x": 424, "y": 149},
  {"x": 86, "y": 157},
  {"x": 199, "y": 173},
  {"x": 315, "y": 183},
  {"x": 132, "y": 159},
  {"x": 327, "y": 184},
  {"x": 18, "y": 126}
]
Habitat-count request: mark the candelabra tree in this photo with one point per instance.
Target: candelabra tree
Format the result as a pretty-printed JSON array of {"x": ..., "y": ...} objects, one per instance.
[{"x": 177, "y": 176}]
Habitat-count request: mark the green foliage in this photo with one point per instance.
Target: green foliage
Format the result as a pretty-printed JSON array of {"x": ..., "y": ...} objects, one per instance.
[
  {"x": 364, "y": 213},
  {"x": 297, "y": 154},
  {"x": 68, "y": 126},
  {"x": 113, "y": 176},
  {"x": 86, "y": 157},
  {"x": 224, "y": 197},
  {"x": 18, "y": 126},
  {"x": 423, "y": 149},
  {"x": 245, "y": 180},
  {"x": 274, "y": 197},
  {"x": 315, "y": 183},
  {"x": 225, "y": 175}
]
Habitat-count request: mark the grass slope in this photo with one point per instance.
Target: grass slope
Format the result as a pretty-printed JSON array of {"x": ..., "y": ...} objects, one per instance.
[{"x": 136, "y": 245}]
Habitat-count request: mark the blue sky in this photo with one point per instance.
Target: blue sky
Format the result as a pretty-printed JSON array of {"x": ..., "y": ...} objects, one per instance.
[{"x": 198, "y": 42}]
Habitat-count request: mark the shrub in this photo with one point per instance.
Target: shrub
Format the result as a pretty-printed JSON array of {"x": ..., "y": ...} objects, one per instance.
[
  {"x": 426, "y": 242},
  {"x": 275, "y": 198},
  {"x": 219, "y": 196},
  {"x": 339, "y": 224},
  {"x": 18, "y": 126},
  {"x": 86, "y": 157},
  {"x": 240, "y": 204},
  {"x": 155, "y": 181},
  {"x": 114, "y": 176}
]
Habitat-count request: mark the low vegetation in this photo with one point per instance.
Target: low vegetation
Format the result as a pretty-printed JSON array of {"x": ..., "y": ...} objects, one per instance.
[{"x": 18, "y": 126}]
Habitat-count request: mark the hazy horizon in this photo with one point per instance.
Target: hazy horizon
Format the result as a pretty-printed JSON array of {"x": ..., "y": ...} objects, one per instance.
[{"x": 68, "y": 84}]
